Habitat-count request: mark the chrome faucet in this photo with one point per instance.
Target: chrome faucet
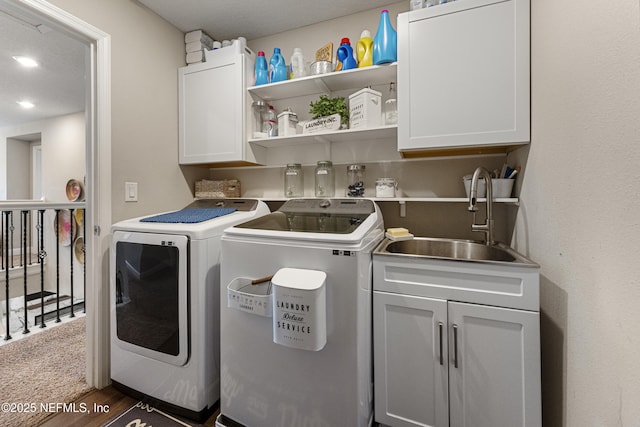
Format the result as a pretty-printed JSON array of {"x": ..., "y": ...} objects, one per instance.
[{"x": 487, "y": 227}]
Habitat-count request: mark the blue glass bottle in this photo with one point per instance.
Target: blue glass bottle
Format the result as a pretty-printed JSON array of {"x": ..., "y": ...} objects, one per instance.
[
  {"x": 277, "y": 67},
  {"x": 385, "y": 43},
  {"x": 262, "y": 70}
]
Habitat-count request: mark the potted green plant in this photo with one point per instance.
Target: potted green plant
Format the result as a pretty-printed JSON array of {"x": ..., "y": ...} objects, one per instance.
[{"x": 326, "y": 106}]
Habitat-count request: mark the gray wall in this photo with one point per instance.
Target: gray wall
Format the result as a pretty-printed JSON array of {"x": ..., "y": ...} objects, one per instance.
[
  {"x": 18, "y": 169},
  {"x": 579, "y": 208},
  {"x": 146, "y": 52}
]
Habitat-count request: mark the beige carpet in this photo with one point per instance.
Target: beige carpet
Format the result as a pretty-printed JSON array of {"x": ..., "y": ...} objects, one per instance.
[{"x": 42, "y": 369}]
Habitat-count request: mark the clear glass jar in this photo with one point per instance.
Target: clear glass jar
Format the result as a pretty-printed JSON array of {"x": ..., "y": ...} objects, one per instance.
[
  {"x": 325, "y": 180},
  {"x": 355, "y": 180},
  {"x": 293, "y": 180},
  {"x": 386, "y": 187}
]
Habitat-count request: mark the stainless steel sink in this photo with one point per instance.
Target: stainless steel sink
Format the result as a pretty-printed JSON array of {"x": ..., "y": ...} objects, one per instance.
[{"x": 462, "y": 250}]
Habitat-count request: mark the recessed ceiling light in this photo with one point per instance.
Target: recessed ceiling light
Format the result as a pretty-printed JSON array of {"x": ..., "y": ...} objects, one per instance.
[
  {"x": 26, "y": 61},
  {"x": 26, "y": 104}
]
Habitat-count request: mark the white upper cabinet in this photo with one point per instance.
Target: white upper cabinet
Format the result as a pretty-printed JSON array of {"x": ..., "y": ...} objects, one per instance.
[
  {"x": 213, "y": 109},
  {"x": 464, "y": 75}
]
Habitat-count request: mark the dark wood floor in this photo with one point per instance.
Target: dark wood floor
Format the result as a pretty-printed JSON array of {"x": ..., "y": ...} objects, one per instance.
[{"x": 109, "y": 396}]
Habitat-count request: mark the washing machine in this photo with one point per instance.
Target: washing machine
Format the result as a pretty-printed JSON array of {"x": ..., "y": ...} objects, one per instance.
[
  {"x": 295, "y": 316},
  {"x": 164, "y": 304}
]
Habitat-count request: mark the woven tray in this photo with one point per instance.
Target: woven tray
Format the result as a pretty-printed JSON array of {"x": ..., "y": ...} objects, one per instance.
[{"x": 206, "y": 189}]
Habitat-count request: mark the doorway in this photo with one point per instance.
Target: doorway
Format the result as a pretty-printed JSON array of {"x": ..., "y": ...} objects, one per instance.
[{"x": 98, "y": 172}]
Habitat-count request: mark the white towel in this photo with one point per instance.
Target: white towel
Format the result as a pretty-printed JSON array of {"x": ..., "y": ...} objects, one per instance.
[
  {"x": 194, "y": 46},
  {"x": 194, "y": 57},
  {"x": 198, "y": 35}
]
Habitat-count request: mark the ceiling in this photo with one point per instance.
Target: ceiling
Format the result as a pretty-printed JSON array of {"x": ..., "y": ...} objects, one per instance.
[
  {"x": 229, "y": 19},
  {"x": 56, "y": 86}
]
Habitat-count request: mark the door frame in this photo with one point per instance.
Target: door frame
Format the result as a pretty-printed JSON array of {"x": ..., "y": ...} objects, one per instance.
[{"x": 98, "y": 179}]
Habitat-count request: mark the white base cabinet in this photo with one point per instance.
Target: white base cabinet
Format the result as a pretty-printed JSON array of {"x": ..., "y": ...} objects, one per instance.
[
  {"x": 445, "y": 363},
  {"x": 464, "y": 75},
  {"x": 410, "y": 360},
  {"x": 494, "y": 371}
]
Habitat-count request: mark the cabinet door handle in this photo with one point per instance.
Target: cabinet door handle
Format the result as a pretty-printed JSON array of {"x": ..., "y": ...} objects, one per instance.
[
  {"x": 455, "y": 346},
  {"x": 440, "y": 331}
]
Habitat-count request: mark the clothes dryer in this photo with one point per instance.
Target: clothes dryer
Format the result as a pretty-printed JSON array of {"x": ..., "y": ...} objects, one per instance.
[
  {"x": 304, "y": 357},
  {"x": 164, "y": 304}
]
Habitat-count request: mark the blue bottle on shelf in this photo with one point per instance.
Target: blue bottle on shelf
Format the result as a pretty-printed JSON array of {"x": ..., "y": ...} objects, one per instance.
[
  {"x": 277, "y": 67},
  {"x": 262, "y": 69},
  {"x": 346, "y": 60},
  {"x": 385, "y": 43}
]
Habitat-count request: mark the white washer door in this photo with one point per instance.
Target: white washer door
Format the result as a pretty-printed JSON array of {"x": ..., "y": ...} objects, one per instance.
[{"x": 149, "y": 289}]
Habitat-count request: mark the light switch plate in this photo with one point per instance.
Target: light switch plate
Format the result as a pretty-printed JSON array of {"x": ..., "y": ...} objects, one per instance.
[{"x": 130, "y": 191}]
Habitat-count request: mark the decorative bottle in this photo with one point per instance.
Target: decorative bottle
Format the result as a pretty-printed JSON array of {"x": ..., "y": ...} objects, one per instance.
[
  {"x": 364, "y": 49},
  {"x": 262, "y": 69},
  {"x": 390, "y": 108},
  {"x": 277, "y": 67},
  {"x": 270, "y": 122},
  {"x": 385, "y": 43}
]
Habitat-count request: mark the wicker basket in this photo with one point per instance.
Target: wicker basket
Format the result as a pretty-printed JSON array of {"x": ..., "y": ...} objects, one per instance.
[{"x": 206, "y": 189}]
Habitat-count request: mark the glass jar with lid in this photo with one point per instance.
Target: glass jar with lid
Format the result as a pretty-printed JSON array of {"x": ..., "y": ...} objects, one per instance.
[
  {"x": 325, "y": 180},
  {"x": 355, "y": 180},
  {"x": 293, "y": 180},
  {"x": 386, "y": 187}
]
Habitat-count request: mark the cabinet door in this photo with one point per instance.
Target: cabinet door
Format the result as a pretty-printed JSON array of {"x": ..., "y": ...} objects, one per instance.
[
  {"x": 410, "y": 360},
  {"x": 211, "y": 111},
  {"x": 494, "y": 372},
  {"x": 463, "y": 75}
]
